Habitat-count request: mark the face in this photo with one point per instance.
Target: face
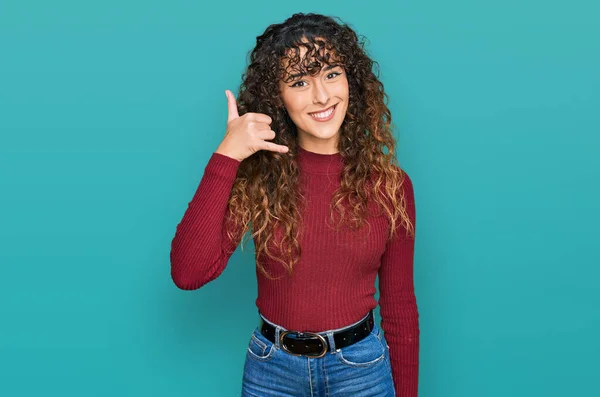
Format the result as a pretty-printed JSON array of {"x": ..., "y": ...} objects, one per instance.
[{"x": 309, "y": 101}]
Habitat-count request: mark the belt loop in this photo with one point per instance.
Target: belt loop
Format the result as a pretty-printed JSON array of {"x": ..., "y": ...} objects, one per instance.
[
  {"x": 277, "y": 330},
  {"x": 331, "y": 341}
]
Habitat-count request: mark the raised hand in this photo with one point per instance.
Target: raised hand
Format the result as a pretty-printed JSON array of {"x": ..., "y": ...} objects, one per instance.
[{"x": 247, "y": 134}]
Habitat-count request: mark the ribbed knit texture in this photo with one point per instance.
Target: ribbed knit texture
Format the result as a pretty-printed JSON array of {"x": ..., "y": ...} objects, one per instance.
[{"x": 333, "y": 284}]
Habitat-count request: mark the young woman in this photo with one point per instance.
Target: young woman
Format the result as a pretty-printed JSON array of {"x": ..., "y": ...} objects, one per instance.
[{"x": 303, "y": 166}]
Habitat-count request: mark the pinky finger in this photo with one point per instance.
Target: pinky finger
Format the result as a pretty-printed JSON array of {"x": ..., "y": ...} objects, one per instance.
[{"x": 276, "y": 148}]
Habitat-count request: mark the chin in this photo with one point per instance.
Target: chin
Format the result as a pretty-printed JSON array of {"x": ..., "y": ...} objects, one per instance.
[
  {"x": 324, "y": 131},
  {"x": 324, "y": 137}
]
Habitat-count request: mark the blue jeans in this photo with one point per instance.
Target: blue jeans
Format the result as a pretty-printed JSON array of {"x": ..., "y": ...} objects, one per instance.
[{"x": 359, "y": 370}]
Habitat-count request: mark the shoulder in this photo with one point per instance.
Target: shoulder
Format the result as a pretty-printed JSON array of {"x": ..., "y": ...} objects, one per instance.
[
  {"x": 407, "y": 183},
  {"x": 404, "y": 182},
  {"x": 395, "y": 186}
]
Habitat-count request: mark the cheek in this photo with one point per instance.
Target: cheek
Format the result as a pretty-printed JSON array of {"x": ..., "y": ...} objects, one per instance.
[
  {"x": 342, "y": 90},
  {"x": 296, "y": 106},
  {"x": 299, "y": 102}
]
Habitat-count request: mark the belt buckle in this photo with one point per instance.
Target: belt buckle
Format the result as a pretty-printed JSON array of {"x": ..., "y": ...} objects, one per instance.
[{"x": 319, "y": 336}]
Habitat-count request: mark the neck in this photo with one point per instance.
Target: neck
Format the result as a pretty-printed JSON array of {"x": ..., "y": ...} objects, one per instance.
[{"x": 316, "y": 145}]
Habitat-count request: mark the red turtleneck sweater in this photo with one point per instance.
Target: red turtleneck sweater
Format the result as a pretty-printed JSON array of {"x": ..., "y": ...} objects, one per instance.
[{"x": 336, "y": 272}]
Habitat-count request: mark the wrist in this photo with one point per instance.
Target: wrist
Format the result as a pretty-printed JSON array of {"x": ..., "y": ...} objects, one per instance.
[{"x": 224, "y": 152}]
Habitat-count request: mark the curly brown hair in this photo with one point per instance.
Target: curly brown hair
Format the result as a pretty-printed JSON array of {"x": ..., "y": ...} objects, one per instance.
[{"x": 265, "y": 195}]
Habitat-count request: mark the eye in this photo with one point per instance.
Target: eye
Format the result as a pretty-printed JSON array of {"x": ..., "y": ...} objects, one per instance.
[
  {"x": 294, "y": 85},
  {"x": 302, "y": 81}
]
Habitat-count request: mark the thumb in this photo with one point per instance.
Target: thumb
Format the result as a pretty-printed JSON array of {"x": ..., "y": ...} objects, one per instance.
[{"x": 232, "y": 111}]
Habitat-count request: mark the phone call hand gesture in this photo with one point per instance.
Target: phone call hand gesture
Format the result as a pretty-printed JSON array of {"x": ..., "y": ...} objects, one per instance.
[{"x": 247, "y": 134}]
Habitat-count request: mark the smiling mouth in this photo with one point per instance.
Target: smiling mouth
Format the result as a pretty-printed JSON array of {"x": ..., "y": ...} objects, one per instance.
[{"x": 324, "y": 115}]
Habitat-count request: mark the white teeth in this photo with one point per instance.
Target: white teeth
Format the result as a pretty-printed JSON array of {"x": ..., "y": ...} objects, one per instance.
[{"x": 323, "y": 115}]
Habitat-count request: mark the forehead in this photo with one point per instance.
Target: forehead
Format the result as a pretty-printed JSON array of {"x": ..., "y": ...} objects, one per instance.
[
  {"x": 320, "y": 49},
  {"x": 308, "y": 58}
]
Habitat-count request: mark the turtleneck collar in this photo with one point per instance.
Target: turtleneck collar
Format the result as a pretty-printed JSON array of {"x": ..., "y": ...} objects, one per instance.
[{"x": 317, "y": 163}]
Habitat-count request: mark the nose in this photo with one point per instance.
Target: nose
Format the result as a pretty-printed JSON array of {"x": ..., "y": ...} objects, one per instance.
[{"x": 320, "y": 93}]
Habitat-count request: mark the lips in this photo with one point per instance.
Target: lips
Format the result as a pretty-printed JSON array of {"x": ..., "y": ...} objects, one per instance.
[{"x": 329, "y": 117}]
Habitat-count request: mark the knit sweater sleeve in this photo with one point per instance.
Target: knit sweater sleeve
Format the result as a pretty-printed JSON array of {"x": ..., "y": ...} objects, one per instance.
[
  {"x": 398, "y": 305},
  {"x": 201, "y": 247}
]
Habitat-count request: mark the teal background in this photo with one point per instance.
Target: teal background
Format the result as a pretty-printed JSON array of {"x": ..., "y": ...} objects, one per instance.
[{"x": 109, "y": 112}]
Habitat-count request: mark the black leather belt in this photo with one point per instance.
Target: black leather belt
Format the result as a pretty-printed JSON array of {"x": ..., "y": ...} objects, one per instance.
[{"x": 316, "y": 345}]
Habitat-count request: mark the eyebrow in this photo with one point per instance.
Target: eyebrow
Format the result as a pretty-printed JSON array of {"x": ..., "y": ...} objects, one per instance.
[{"x": 329, "y": 67}]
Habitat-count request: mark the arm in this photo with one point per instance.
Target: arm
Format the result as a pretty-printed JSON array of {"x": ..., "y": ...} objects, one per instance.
[
  {"x": 201, "y": 248},
  {"x": 398, "y": 305}
]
